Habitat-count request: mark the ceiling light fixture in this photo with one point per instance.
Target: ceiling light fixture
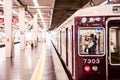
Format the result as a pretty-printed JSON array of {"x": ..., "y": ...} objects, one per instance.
[
  {"x": 39, "y": 12},
  {"x": 15, "y": 12},
  {"x": 1, "y": 3}
]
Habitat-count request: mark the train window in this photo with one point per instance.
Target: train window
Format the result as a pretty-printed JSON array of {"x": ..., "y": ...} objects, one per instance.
[
  {"x": 114, "y": 45},
  {"x": 91, "y": 41}
]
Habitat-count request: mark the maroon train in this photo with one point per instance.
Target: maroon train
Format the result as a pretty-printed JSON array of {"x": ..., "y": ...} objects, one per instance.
[{"x": 75, "y": 38}]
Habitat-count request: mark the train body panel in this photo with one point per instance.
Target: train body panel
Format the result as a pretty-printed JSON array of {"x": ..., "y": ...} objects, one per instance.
[{"x": 93, "y": 25}]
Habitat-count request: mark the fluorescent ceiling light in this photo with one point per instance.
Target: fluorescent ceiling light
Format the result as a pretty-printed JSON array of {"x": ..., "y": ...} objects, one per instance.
[
  {"x": 15, "y": 12},
  {"x": 1, "y": 3},
  {"x": 39, "y": 12},
  {"x": 104, "y": 3},
  {"x": 35, "y": 1},
  {"x": 1, "y": 16}
]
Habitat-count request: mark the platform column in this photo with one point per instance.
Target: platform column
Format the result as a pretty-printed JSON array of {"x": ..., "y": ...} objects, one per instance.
[
  {"x": 35, "y": 30},
  {"x": 22, "y": 27},
  {"x": 8, "y": 27}
]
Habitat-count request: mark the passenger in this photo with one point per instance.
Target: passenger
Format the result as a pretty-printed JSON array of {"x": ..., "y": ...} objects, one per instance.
[
  {"x": 32, "y": 45},
  {"x": 92, "y": 45},
  {"x": 112, "y": 47}
]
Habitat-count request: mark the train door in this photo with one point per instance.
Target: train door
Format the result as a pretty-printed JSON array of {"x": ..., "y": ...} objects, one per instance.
[{"x": 113, "y": 46}]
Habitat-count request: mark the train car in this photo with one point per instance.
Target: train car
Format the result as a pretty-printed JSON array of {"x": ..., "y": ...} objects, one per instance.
[{"x": 89, "y": 43}]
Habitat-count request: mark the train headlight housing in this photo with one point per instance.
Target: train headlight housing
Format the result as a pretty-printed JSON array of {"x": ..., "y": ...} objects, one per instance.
[{"x": 95, "y": 68}]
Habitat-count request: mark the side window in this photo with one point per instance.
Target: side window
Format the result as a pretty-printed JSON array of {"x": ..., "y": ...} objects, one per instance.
[
  {"x": 114, "y": 45},
  {"x": 91, "y": 41}
]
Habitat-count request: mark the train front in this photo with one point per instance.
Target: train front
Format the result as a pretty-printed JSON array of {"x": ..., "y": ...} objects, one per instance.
[{"x": 91, "y": 60}]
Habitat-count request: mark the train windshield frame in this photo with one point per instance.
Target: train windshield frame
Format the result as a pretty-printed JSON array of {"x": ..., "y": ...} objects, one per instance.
[{"x": 91, "y": 41}]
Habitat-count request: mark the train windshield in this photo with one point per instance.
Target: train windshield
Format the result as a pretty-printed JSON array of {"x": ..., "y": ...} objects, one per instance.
[
  {"x": 91, "y": 41},
  {"x": 114, "y": 45}
]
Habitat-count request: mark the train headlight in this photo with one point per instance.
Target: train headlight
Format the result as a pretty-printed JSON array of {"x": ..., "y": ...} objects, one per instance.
[
  {"x": 87, "y": 68},
  {"x": 95, "y": 68}
]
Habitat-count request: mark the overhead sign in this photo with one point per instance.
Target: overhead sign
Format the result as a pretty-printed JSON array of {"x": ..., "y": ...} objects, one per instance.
[
  {"x": 1, "y": 20},
  {"x": 14, "y": 20}
]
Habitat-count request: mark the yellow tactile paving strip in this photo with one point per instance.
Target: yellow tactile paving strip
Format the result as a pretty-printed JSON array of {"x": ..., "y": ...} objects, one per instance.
[{"x": 37, "y": 74}]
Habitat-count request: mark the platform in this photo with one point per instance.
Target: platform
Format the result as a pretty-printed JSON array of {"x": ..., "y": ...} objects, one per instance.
[{"x": 40, "y": 63}]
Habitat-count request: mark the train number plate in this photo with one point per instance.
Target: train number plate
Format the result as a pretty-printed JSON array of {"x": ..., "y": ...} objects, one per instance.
[{"x": 91, "y": 61}]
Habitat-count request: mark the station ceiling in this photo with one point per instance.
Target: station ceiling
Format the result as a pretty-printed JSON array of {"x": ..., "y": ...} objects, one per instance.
[{"x": 54, "y": 12}]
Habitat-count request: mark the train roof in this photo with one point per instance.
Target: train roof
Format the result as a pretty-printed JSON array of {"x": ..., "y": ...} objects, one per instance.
[{"x": 101, "y": 10}]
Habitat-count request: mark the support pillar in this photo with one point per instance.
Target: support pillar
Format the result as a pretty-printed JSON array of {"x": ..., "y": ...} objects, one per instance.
[
  {"x": 8, "y": 27},
  {"x": 35, "y": 30},
  {"x": 22, "y": 27}
]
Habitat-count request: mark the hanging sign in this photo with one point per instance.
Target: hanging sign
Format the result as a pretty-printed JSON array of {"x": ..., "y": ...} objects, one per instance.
[{"x": 14, "y": 20}]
